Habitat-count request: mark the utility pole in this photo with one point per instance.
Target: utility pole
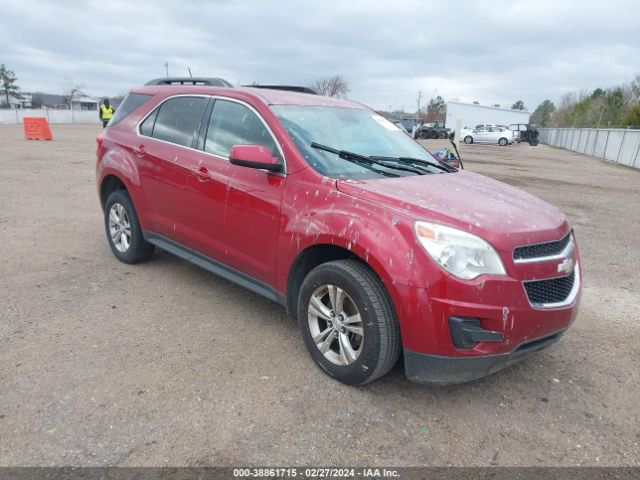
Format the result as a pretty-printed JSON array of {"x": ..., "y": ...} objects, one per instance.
[
  {"x": 190, "y": 76},
  {"x": 166, "y": 68},
  {"x": 419, "y": 98}
]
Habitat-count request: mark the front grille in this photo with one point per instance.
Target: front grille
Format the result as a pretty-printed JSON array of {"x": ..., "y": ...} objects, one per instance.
[
  {"x": 555, "y": 290},
  {"x": 541, "y": 249}
]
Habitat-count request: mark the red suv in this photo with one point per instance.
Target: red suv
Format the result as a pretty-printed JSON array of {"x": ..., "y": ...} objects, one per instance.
[{"x": 331, "y": 210}]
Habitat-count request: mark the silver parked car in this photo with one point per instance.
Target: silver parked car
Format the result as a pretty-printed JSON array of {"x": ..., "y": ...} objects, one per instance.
[{"x": 489, "y": 134}]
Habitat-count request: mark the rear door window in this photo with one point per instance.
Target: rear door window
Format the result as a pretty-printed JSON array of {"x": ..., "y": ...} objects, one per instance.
[
  {"x": 178, "y": 120},
  {"x": 233, "y": 123}
]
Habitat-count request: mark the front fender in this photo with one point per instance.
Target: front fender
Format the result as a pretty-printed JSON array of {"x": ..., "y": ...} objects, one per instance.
[{"x": 380, "y": 237}]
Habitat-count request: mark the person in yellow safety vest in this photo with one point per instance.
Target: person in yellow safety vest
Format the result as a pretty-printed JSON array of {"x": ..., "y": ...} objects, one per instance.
[{"x": 105, "y": 112}]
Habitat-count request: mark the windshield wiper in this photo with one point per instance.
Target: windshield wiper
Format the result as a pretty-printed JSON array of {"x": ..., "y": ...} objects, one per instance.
[
  {"x": 413, "y": 161},
  {"x": 368, "y": 161}
]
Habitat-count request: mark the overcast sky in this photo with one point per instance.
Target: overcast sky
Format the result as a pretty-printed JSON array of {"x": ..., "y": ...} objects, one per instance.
[{"x": 490, "y": 51}]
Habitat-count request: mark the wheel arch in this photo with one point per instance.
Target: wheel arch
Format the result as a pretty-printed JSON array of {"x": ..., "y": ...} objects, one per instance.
[
  {"x": 110, "y": 183},
  {"x": 306, "y": 261},
  {"x": 316, "y": 255}
]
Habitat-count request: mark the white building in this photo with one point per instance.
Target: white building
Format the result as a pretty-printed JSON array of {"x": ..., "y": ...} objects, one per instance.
[
  {"x": 24, "y": 102},
  {"x": 85, "y": 103},
  {"x": 472, "y": 114}
]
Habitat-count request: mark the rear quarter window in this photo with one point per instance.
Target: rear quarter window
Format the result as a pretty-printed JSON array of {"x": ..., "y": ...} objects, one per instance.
[{"x": 128, "y": 105}]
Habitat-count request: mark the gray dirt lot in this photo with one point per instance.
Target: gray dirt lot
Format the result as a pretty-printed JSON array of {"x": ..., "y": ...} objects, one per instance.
[{"x": 102, "y": 363}]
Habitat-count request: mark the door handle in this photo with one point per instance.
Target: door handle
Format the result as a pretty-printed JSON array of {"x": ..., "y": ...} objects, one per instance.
[
  {"x": 140, "y": 151},
  {"x": 202, "y": 173}
]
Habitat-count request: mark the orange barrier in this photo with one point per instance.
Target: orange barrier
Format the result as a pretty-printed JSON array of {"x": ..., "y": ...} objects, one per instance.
[{"x": 37, "y": 128}]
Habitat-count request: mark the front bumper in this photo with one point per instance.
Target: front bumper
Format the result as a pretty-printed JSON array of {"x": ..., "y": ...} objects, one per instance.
[{"x": 435, "y": 369}]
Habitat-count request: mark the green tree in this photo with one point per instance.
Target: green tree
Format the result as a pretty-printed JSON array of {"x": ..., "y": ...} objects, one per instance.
[
  {"x": 615, "y": 107},
  {"x": 542, "y": 114},
  {"x": 519, "y": 105},
  {"x": 8, "y": 85},
  {"x": 632, "y": 118}
]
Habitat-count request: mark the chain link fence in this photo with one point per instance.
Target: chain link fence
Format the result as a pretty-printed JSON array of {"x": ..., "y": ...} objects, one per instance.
[{"x": 614, "y": 144}]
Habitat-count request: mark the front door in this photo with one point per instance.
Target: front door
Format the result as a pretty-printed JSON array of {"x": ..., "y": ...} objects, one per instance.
[{"x": 236, "y": 214}]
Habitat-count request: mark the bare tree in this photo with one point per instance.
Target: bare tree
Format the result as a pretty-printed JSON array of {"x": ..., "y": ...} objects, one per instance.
[
  {"x": 436, "y": 109},
  {"x": 335, "y": 86},
  {"x": 73, "y": 91}
]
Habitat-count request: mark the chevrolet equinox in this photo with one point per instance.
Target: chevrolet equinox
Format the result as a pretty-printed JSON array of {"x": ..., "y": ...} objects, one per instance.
[{"x": 323, "y": 205}]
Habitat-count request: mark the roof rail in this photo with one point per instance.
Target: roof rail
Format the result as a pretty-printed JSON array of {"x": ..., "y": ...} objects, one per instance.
[
  {"x": 290, "y": 88},
  {"x": 213, "y": 81}
]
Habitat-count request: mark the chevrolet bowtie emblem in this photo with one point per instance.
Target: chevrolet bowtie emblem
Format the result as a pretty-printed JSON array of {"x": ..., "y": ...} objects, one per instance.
[{"x": 566, "y": 266}]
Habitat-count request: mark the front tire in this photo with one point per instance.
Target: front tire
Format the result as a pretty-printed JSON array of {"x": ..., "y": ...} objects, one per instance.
[
  {"x": 348, "y": 323},
  {"x": 468, "y": 139},
  {"x": 534, "y": 141},
  {"x": 123, "y": 229}
]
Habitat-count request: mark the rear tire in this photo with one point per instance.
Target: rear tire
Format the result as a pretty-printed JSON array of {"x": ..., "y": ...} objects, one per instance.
[
  {"x": 123, "y": 229},
  {"x": 503, "y": 141},
  {"x": 534, "y": 141},
  {"x": 332, "y": 297},
  {"x": 468, "y": 139}
]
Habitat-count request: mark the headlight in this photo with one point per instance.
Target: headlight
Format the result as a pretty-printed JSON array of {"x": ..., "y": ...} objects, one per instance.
[{"x": 464, "y": 255}]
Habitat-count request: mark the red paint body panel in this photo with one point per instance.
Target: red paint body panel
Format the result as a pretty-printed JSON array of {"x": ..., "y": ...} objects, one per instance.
[{"x": 259, "y": 222}]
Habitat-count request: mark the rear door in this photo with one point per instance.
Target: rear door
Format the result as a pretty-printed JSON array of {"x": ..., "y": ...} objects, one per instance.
[
  {"x": 236, "y": 209},
  {"x": 494, "y": 134},
  {"x": 480, "y": 135},
  {"x": 168, "y": 136}
]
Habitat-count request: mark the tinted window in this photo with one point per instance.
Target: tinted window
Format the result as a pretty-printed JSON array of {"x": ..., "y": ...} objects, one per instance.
[
  {"x": 128, "y": 105},
  {"x": 179, "y": 119},
  {"x": 146, "y": 128},
  {"x": 232, "y": 124}
]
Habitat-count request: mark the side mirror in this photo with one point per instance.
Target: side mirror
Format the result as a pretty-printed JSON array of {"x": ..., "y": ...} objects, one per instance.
[{"x": 254, "y": 156}]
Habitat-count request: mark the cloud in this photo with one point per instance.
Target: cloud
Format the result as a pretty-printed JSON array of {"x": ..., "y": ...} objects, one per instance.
[{"x": 493, "y": 52}]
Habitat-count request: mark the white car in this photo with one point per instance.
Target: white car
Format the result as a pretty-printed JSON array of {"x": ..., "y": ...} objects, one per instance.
[{"x": 489, "y": 134}]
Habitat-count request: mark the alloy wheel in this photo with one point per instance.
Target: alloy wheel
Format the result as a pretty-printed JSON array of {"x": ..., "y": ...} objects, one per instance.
[
  {"x": 335, "y": 325},
  {"x": 119, "y": 227}
]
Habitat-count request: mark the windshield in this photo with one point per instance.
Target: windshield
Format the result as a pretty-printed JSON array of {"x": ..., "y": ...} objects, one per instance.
[{"x": 355, "y": 130}]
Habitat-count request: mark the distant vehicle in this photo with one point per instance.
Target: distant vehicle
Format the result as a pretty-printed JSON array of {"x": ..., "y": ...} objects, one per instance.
[
  {"x": 409, "y": 124},
  {"x": 523, "y": 132},
  {"x": 489, "y": 134},
  {"x": 432, "y": 130},
  {"x": 400, "y": 125}
]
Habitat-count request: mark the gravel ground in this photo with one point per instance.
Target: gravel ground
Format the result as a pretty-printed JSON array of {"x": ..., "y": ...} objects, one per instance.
[{"x": 103, "y": 363}]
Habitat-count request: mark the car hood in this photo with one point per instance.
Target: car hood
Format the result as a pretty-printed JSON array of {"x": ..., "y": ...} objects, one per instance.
[{"x": 497, "y": 212}]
